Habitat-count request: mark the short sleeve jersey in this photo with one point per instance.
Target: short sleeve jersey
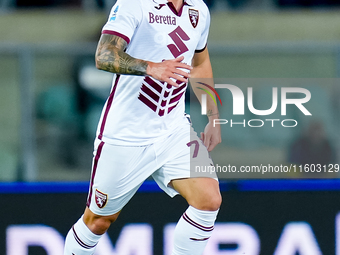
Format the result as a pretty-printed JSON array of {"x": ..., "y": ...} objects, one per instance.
[{"x": 141, "y": 109}]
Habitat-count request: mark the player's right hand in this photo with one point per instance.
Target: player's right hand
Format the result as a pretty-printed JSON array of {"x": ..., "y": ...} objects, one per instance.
[{"x": 168, "y": 69}]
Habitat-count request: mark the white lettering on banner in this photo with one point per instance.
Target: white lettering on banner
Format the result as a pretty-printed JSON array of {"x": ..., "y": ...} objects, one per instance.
[
  {"x": 137, "y": 239},
  {"x": 337, "y": 234},
  {"x": 20, "y": 237},
  {"x": 168, "y": 237},
  {"x": 297, "y": 237},
  {"x": 243, "y": 235},
  {"x": 133, "y": 239}
]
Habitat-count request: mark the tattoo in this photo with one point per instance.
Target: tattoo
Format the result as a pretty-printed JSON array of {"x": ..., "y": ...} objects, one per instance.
[
  {"x": 110, "y": 56},
  {"x": 210, "y": 113}
]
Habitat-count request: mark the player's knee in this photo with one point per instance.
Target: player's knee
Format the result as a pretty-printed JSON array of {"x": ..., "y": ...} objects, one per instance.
[
  {"x": 98, "y": 224},
  {"x": 210, "y": 202},
  {"x": 214, "y": 202}
]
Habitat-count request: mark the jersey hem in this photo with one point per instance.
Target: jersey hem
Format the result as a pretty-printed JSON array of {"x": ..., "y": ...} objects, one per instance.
[{"x": 137, "y": 143}]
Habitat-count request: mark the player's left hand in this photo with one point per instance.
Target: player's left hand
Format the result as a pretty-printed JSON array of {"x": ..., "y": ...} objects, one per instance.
[{"x": 211, "y": 136}]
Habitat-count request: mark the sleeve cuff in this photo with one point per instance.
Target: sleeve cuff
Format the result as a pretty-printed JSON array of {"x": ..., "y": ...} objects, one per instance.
[
  {"x": 117, "y": 34},
  {"x": 199, "y": 51}
]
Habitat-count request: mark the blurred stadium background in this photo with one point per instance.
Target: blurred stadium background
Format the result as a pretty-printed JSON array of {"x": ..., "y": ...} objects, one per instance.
[{"x": 51, "y": 96}]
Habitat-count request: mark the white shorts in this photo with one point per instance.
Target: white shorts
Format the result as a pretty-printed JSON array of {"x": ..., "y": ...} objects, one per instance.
[{"x": 118, "y": 171}]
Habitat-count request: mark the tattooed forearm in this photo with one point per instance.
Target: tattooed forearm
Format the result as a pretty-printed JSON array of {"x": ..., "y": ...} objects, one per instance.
[
  {"x": 110, "y": 56},
  {"x": 210, "y": 113}
]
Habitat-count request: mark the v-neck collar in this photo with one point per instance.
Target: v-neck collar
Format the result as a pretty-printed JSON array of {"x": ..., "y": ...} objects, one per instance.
[{"x": 173, "y": 8}]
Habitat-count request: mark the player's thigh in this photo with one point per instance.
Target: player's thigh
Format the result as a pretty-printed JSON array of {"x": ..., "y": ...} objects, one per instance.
[
  {"x": 202, "y": 192},
  {"x": 117, "y": 173},
  {"x": 179, "y": 173},
  {"x": 201, "y": 189}
]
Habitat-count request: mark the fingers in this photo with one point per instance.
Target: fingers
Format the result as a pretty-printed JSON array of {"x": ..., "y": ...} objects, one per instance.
[
  {"x": 179, "y": 59},
  {"x": 182, "y": 73},
  {"x": 214, "y": 143},
  {"x": 209, "y": 141},
  {"x": 178, "y": 74},
  {"x": 181, "y": 65},
  {"x": 206, "y": 140},
  {"x": 178, "y": 63},
  {"x": 170, "y": 71},
  {"x": 211, "y": 145},
  {"x": 171, "y": 82},
  {"x": 179, "y": 78},
  {"x": 202, "y": 137}
]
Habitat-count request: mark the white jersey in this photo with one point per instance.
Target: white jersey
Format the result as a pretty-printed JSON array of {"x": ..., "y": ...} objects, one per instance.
[{"x": 140, "y": 109}]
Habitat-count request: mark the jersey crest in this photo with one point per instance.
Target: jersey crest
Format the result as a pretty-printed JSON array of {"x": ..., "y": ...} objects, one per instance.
[{"x": 193, "y": 16}]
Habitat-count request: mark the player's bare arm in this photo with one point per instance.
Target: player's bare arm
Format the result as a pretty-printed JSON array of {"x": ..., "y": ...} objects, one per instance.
[
  {"x": 202, "y": 69},
  {"x": 110, "y": 56}
]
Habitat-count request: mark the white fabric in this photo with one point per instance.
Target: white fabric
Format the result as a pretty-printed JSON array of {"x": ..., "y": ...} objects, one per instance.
[
  {"x": 121, "y": 170},
  {"x": 189, "y": 238},
  {"x": 154, "y": 35},
  {"x": 80, "y": 240}
]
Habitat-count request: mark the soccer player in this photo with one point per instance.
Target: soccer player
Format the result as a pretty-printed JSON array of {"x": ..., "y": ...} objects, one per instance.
[{"x": 152, "y": 47}]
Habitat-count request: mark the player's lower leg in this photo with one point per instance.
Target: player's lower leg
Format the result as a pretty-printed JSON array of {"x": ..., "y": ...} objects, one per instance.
[
  {"x": 83, "y": 237},
  {"x": 197, "y": 223},
  {"x": 193, "y": 231},
  {"x": 80, "y": 240}
]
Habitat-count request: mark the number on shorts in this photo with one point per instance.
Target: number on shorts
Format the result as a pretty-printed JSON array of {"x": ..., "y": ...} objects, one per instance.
[{"x": 196, "y": 143}]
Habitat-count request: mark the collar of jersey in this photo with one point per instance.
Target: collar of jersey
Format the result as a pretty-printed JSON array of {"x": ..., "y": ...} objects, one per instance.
[
  {"x": 171, "y": 6},
  {"x": 188, "y": 2}
]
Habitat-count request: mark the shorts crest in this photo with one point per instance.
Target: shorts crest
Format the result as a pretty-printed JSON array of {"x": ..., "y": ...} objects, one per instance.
[{"x": 101, "y": 199}]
